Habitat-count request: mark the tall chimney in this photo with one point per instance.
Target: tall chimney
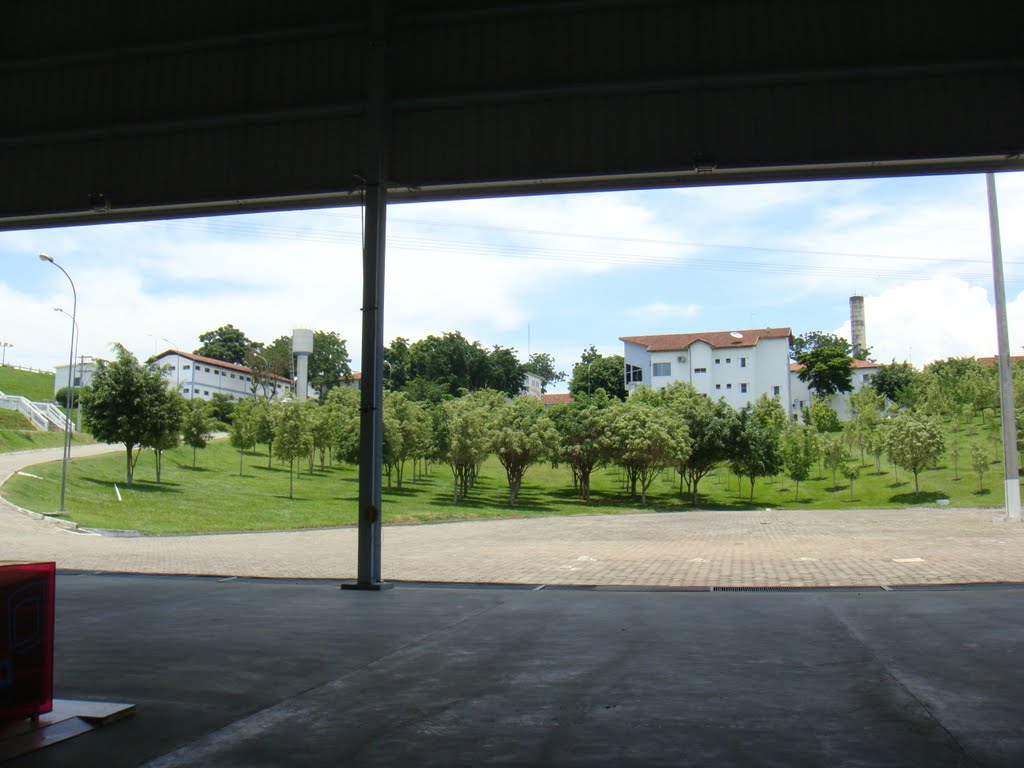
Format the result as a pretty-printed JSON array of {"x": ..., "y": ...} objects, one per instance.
[{"x": 858, "y": 333}]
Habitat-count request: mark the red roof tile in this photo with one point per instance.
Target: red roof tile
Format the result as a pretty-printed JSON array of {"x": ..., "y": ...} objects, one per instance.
[
  {"x": 556, "y": 397},
  {"x": 675, "y": 342}
]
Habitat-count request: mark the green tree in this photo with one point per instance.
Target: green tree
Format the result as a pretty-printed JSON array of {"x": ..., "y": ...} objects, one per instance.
[
  {"x": 293, "y": 438},
  {"x": 850, "y": 472},
  {"x": 644, "y": 437},
  {"x": 757, "y": 447},
  {"x": 582, "y": 426},
  {"x": 711, "y": 427},
  {"x": 506, "y": 374},
  {"x": 121, "y": 401},
  {"x": 197, "y": 427},
  {"x": 396, "y": 364},
  {"x": 243, "y": 430},
  {"x": 464, "y": 440},
  {"x": 826, "y": 362},
  {"x": 278, "y": 356},
  {"x": 262, "y": 415},
  {"x": 226, "y": 343},
  {"x": 542, "y": 364},
  {"x": 914, "y": 443},
  {"x": 834, "y": 454},
  {"x": 343, "y": 414},
  {"x": 980, "y": 461},
  {"x": 899, "y": 383},
  {"x": 328, "y": 363},
  {"x": 222, "y": 407},
  {"x": 451, "y": 360},
  {"x": 822, "y": 416},
  {"x": 406, "y": 431},
  {"x": 799, "y": 452},
  {"x": 164, "y": 426},
  {"x": 522, "y": 435},
  {"x": 596, "y": 371}
]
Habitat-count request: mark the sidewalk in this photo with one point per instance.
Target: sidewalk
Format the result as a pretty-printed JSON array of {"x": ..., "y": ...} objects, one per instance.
[{"x": 684, "y": 549}]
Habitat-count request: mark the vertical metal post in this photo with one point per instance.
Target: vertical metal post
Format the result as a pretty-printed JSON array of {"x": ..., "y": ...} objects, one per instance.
[
  {"x": 1011, "y": 476},
  {"x": 371, "y": 422}
]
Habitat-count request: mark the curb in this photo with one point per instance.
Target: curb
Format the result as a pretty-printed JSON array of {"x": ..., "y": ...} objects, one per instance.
[{"x": 68, "y": 524}]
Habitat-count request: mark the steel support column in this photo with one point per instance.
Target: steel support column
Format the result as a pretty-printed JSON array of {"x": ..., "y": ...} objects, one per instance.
[
  {"x": 371, "y": 424},
  {"x": 1011, "y": 475}
]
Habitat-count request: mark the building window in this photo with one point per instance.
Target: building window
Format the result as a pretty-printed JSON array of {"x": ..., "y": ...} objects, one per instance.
[
  {"x": 728, "y": 386},
  {"x": 634, "y": 374},
  {"x": 718, "y": 360},
  {"x": 663, "y": 369},
  {"x": 776, "y": 391},
  {"x": 232, "y": 375},
  {"x": 206, "y": 392},
  {"x": 718, "y": 386},
  {"x": 743, "y": 387},
  {"x": 728, "y": 360},
  {"x": 743, "y": 362},
  {"x": 700, "y": 370},
  {"x": 207, "y": 370},
  {"x": 185, "y": 367}
]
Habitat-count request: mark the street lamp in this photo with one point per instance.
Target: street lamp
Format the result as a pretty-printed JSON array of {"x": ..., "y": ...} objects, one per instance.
[
  {"x": 3, "y": 351},
  {"x": 177, "y": 363},
  {"x": 71, "y": 366},
  {"x": 72, "y": 376}
]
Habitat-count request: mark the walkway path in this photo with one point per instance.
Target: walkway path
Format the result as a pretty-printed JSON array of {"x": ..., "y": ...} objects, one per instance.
[{"x": 758, "y": 548}]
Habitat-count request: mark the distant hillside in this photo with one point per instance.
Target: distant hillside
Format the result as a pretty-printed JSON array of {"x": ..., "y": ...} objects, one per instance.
[{"x": 34, "y": 386}]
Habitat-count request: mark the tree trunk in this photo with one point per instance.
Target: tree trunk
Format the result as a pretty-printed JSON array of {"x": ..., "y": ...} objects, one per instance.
[
  {"x": 131, "y": 465},
  {"x": 193, "y": 457},
  {"x": 239, "y": 462},
  {"x": 752, "y": 487},
  {"x": 270, "y": 453},
  {"x": 291, "y": 475},
  {"x": 159, "y": 462},
  {"x": 797, "y": 490}
]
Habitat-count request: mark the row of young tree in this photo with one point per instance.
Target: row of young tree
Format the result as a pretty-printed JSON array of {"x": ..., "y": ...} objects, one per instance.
[{"x": 676, "y": 429}]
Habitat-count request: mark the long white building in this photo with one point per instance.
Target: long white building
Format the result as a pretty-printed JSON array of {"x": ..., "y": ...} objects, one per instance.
[
  {"x": 739, "y": 366},
  {"x": 200, "y": 378}
]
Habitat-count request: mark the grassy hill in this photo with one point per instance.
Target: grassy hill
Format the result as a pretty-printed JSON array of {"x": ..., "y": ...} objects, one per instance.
[{"x": 34, "y": 386}]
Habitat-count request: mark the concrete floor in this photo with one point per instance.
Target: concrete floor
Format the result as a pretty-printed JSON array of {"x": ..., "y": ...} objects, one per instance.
[{"x": 272, "y": 673}]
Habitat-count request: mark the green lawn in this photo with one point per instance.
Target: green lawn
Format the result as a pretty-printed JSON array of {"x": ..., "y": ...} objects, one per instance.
[
  {"x": 34, "y": 386},
  {"x": 213, "y": 497},
  {"x": 18, "y": 434}
]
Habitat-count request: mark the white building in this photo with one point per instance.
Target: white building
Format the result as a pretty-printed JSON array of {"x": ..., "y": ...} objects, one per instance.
[
  {"x": 200, "y": 378},
  {"x": 533, "y": 385},
  {"x": 738, "y": 366},
  {"x": 82, "y": 373},
  {"x": 863, "y": 371}
]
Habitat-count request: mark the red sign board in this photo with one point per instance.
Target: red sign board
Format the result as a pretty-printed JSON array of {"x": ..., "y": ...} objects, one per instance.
[{"x": 26, "y": 639}]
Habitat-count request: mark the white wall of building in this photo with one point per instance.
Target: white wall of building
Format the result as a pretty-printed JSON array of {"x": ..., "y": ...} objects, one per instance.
[
  {"x": 801, "y": 394},
  {"x": 739, "y": 374}
]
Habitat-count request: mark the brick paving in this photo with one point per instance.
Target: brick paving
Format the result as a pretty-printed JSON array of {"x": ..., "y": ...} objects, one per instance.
[{"x": 698, "y": 548}]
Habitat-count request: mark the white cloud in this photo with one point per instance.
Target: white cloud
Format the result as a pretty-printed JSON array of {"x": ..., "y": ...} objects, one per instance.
[
  {"x": 943, "y": 316},
  {"x": 659, "y": 310}
]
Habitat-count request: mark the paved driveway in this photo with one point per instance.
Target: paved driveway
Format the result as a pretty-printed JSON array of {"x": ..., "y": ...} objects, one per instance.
[{"x": 758, "y": 548}]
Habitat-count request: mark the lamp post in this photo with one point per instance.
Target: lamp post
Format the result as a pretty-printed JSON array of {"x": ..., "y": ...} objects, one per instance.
[
  {"x": 177, "y": 363},
  {"x": 71, "y": 366},
  {"x": 72, "y": 376},
  {"x": 3, "y": 351}
]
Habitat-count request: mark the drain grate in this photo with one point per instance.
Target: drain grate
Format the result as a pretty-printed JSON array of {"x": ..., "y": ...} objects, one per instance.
[{"x": 797, "y": 589}]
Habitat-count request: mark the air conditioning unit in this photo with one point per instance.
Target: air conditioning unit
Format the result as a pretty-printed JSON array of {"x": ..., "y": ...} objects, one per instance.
[{"x": 681, "y": 359}]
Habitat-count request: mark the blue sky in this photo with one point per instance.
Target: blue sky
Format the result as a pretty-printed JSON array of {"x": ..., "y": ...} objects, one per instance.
[{"x": 545, "y": 274}]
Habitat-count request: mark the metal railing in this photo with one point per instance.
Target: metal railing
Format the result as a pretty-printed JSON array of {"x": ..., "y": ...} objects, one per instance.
[{"x": 46, "y": 417}]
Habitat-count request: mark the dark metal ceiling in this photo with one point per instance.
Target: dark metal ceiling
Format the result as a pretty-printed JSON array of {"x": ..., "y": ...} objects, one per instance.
[{"x": 143, "y": 110}]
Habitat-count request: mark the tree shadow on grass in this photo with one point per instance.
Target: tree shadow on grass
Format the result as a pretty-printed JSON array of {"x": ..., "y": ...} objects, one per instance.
[
  {"x": 190, "y": 468},
  {"x": 924, "y": 497},
  {"x": 982, "y": 492},
  {"x": 140, "y": 486},
  {"x": 899, "y": 485}
]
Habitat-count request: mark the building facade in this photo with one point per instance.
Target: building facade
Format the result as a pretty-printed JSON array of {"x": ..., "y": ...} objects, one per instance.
[
  {"x": 738, "y": 366},
  {"x": 200, "y": 378},
  {"x": 863, "y": 372}
]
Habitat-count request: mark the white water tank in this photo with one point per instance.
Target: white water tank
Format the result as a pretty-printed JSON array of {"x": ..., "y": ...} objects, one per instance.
[{"x": 302, "y": 348}]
